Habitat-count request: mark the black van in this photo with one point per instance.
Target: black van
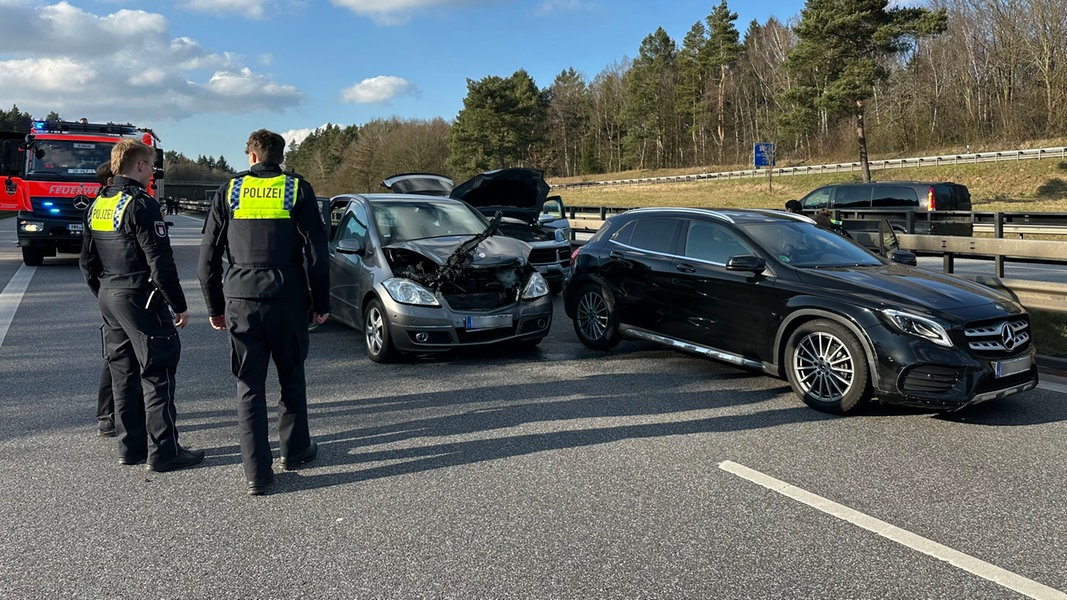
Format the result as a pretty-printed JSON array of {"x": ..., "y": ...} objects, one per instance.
[
  {"x": 891, "y": 197},
  {"x": 911, "y": 195}
]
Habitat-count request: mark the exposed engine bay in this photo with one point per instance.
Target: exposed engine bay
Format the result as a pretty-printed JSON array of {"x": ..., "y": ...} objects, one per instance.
[{"x": 466, "y": 281}]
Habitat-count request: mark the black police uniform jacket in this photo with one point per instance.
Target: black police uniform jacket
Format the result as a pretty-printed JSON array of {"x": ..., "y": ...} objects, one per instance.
[
  {"x": 130, "y": 246},
  {"x": 265, "y": 239}
]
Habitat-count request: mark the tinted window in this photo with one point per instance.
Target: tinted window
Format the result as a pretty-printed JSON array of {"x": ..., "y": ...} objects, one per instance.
[
  {"x": 712, "y": 242},
  {"x": 894, "y": 195},
  {"x": 853, "y": 196},
  {"x": 820, "y": 198},
  {"x": 656, "y": 235}
]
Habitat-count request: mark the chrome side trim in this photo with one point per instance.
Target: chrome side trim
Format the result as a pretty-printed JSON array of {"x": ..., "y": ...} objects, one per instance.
[{"x": 735, "y": 359}]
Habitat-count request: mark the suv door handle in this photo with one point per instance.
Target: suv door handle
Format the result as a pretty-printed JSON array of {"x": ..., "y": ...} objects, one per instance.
[
  {"x": 685, "y": 268},
  {"x": 615, "y": 254}
]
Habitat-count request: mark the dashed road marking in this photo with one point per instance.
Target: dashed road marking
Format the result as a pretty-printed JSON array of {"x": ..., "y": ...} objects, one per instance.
[{"x": 1005, "y": 578}]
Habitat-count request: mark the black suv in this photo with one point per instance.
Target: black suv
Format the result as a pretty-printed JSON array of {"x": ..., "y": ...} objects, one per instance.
[
  {"x": 772, "y": 291},
  {"x": 884, "y": 198}
]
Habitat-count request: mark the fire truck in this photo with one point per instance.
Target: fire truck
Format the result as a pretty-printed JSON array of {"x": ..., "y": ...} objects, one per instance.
[{"x": 49, "y": 177}]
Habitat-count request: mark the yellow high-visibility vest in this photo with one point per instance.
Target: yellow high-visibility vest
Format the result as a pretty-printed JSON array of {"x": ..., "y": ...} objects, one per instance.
[
  {"x": 262, "y": 197},
  {"x": 107, "y": 212}
]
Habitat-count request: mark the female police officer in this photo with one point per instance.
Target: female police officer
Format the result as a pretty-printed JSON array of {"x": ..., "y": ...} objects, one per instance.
[{"x": 127, "y": 261}]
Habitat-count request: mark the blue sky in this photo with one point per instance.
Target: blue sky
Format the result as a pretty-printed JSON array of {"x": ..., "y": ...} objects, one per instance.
[{"x": 205, "y": 73}]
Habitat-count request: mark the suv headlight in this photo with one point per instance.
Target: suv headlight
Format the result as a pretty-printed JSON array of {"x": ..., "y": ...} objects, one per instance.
[
  {"x": 923, "y": 327},
  {"x": 535, "y": 287},
  {"x": 406, "y": 291}
]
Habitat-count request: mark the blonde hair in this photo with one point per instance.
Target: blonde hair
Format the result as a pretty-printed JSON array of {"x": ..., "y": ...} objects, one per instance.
[{"x": 127, "y": 152}]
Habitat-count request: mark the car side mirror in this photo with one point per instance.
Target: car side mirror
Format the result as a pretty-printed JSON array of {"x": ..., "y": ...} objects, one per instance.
[
  {"x": 746, "y": 262},
  {"x": 351, "y": 246},
  {"x": 887, "y": 239},
  {"x": 553, "y": 207},
  {"x": 904, "y": 257}
]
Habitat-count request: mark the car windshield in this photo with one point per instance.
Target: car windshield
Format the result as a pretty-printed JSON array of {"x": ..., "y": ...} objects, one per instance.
[
  {"x": 69, "y": 157},
  {"x": 805, "y": 245},
  {"x": 407, "y": 220}
]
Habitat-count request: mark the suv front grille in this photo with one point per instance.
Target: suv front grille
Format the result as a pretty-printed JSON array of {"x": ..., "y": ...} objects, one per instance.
[{"x": 999, "y": 337}]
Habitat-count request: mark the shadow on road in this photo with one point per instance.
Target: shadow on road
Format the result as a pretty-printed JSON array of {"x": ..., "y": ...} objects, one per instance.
[{"x": 483, "y": 432}]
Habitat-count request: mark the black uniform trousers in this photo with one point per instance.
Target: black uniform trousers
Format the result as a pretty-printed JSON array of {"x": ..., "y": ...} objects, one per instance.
[
  {"x": 142, "y": 349},
  {"x": 261, "y": 330},
  {"x": 105, "y": 398}
]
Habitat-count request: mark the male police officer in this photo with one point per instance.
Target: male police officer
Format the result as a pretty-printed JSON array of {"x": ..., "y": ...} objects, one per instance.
[
  {"x": 127, "y": 261},
  {"x": 265, "y": 222}
]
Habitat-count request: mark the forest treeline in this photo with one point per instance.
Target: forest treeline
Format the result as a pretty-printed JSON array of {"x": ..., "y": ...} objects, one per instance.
[
  {"x": 959, "y": 73},
  {"x": 843, "y": 78}
]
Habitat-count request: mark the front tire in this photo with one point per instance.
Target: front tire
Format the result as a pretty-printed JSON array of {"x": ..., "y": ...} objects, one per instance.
[
  {"x": 379, "y": 341},
  {"x": 595, "y": 320},
  {"x": 32, "y": 257},
  {"x": 827, "y": 367}
]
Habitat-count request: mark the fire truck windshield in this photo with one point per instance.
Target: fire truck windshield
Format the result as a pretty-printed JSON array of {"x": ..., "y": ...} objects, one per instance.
[{"x": 71, "y": 159}]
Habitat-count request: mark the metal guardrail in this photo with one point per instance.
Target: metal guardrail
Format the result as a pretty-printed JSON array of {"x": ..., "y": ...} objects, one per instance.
[
  {"x": 899, "y": 163},
  {"x": 587, "y": 219}
]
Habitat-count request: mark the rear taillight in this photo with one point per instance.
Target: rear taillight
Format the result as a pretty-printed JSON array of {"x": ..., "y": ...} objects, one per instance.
[
  {"x": 574, "y": 255},
  {"x": 930, "y": 202}
]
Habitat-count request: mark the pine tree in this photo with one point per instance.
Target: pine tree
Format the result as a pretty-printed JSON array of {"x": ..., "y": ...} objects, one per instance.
[{"x": 840, "y": 56}]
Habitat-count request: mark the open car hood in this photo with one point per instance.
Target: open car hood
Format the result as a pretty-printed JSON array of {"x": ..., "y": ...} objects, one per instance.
[
  {"x": 518, "y": 193},
  {"x": 428, "y": 184}
]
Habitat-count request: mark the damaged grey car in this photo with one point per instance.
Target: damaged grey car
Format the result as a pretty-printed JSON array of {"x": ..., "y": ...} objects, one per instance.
[{"x": 423, "y": 274}]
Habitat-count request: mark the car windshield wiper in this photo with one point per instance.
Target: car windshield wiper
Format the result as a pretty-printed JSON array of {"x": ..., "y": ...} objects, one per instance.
[{"x": 459, "y": 259}]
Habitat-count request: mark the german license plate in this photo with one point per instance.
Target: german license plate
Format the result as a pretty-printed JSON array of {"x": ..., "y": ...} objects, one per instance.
[
  {"x": 1004, "y": 368},
  {"x": 75, "y": 228},
  {"x": 488, "y": 322}
]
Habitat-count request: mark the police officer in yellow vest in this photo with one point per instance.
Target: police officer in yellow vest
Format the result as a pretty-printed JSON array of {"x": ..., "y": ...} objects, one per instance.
[
  {"x": 127, "y": 261},
  {"x": 266, "y": 222}
]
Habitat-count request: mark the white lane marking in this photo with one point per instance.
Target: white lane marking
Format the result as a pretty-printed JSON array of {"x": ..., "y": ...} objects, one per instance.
[
  {"x": 1017, "y": 583},
  {"x": 11, "y": 297}
]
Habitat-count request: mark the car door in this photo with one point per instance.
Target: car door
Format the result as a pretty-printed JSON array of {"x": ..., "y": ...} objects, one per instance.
[
  {"x": 637, "y": 268},
  {"x": 349, "y": 276},
  {"x": 714, "y": 307}
]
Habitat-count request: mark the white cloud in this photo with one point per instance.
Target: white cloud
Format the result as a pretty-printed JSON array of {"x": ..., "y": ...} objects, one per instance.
[
  {"x": 253, "y": 9},
  {"x": 121, "y": 66},
  {"x": 376, "y": 90},
  {"x": 393, "y": 12},
  {"x": 298, "y": 135}
]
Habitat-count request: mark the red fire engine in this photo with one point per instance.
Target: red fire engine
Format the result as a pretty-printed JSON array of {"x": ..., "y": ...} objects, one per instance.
[{"x": 49, "y": 177}]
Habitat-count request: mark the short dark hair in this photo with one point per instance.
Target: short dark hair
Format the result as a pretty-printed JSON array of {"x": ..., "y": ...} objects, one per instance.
[
  {"x": 103, "y": 173},
  {"x": 794, "y": 206},
  {"x": 268, "y": 146}
]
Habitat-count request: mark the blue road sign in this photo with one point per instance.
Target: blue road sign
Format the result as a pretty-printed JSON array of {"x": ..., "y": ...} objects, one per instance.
[{"x": 764, "y": 154}]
